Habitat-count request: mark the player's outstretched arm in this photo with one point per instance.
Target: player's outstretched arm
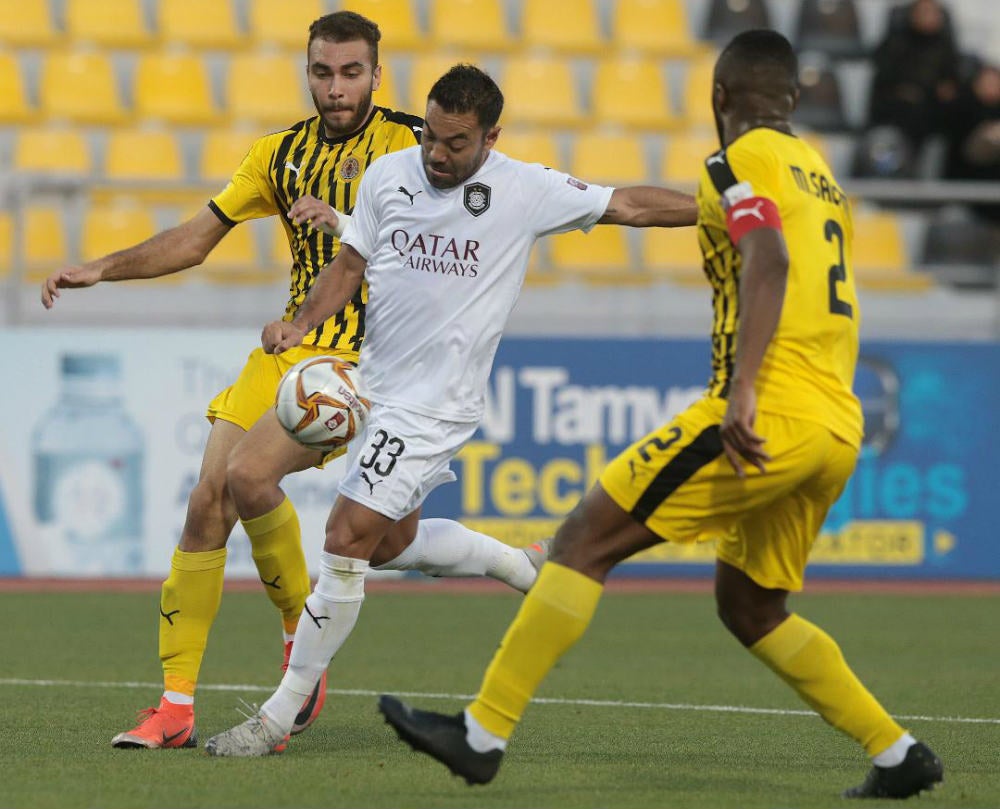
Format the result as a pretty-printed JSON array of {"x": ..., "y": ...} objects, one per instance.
[
  {"x": 644, "y": 206},
  {"x": 333, "y": 288},
  {"x": 764, "y": 260},
  {"x": 175, "y": 249}
]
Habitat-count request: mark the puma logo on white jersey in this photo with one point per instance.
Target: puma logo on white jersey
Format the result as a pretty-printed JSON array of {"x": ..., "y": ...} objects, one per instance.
[
  {"x": 291, "y": 167},
  {"x": 752, "y": 211}
]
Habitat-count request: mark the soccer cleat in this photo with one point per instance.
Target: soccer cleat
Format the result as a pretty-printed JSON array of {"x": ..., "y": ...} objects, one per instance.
[
  {"x": 538, "y": 552},
  {"x": 441, "y": 737},
  {"x": 920, "y": 770},
  {"x": 167, "y": 726},
  {"x": 313, "y": 705},
  {"x": 254, "y": 737}
]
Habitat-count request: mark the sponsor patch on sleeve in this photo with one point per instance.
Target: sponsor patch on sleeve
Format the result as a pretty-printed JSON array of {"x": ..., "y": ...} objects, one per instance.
[
  {"x": 736, "y": 194},
  {"x": 576, "y": 183}
]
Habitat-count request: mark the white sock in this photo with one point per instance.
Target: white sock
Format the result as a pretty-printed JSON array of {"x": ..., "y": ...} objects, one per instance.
[
  {"x": 177, "y": 698},
  {"x": 327, "y": 620},
  {"x": 448, "y": 548},
  {"x": 479, "y": 738},
  {"x": 893, "y": 755}
]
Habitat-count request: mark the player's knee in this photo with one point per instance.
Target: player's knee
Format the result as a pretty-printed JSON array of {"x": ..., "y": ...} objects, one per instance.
[{"x": 748, "y": 621}]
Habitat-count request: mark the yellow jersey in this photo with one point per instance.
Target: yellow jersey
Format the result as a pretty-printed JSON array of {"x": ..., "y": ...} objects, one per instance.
[
  {"x": 808, "y": 370},
  {"x": 284, "y": 166}
]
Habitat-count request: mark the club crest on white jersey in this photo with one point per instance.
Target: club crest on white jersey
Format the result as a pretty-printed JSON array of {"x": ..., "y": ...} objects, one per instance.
[{"x": 477, "y": 198}]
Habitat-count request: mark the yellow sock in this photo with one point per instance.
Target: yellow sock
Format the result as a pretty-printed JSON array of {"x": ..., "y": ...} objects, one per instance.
[
  {"x": 189, "y": 601},
  {"x": 554, "y": 615},
  {"x": 810, "y": 661},
  {"x": 276, "y": 542}
]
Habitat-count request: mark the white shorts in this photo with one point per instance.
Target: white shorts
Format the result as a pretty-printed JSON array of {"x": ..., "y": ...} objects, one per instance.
[{"x": 401, "y": 458}]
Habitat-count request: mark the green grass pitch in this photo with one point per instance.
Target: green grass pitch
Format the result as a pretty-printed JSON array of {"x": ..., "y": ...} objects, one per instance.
[{"x": 649, "y": 710}]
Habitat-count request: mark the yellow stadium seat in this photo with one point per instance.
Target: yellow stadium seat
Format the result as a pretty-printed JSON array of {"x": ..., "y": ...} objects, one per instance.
[
  {"x": 175, "y": 88},
  {"x": 80, "y": 86},
  {"x": 655, "y": 27},
  {"x": 222, "y": 152},
  {"x": 426, "y": 69},
  {"x": 569, "y": 26},
  {"x": 531, "y": 146},
  {"x": 199, "y": 24},
  {"x": 672, "y": 254},
  {"x": 880, "y": 260},
  {"x": 685, "y": 154},
  {"x": 6, "y": 245},
  {"x": 236, "y": 259},
  {"x": 600, "y": 256},
  {"x": 608, "y": 158},
  {"x": 44, "y": 241},
  {"x": 698, "y": 91},
  {"x": 267, "y": 88},
  {"x": 52, "y": 150},
  {"x": 632, "y": 92},
  {"x": 397, "y": 20},
  {"x": 479, "y": 25},
  {"x": 387, "y": 95},
  {"x": 109, "y": 23},
  {"x": 14, "y": 105},
  {"x": 541, "y": 90},
  {"x": 282, "y": 24},
  {"x": 143, "y": 154},
  {"x": 114, "y": 226},
  {"x": 27, "y": 23}
]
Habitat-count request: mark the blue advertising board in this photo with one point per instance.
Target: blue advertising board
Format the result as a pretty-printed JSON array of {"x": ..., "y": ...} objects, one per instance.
[{"x": 918, "y": 506}]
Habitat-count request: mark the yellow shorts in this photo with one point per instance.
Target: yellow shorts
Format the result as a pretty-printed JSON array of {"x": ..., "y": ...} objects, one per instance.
[
  {"x": 253, "y": 392},
  {"x": 679, "y": 483}
]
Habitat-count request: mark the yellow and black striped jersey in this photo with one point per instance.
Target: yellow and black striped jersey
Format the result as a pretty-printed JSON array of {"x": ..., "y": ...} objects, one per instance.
[
  {"x": 808, "y": 370},
  {"x": 284, "y": 166}
]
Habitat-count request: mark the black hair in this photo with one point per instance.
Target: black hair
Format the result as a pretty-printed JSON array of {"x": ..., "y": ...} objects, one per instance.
[
  {"x": 346, "y": 26},
  {"x": 760, "y": 61},
  {"x": 466, "y": 88}
]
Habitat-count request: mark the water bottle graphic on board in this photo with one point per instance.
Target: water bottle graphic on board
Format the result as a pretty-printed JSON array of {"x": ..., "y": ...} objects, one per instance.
[{"x": 88, "y": 464}]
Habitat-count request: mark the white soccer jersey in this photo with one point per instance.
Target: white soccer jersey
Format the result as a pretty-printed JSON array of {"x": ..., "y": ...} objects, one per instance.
[{"x": 445, "y": 268}]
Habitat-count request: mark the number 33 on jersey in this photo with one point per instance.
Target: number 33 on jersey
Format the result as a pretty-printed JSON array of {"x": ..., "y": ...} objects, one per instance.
[{"x": 767, "y": 178}]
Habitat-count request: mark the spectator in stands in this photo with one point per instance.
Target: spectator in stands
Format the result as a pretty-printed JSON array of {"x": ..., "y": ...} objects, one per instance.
[
  {"x": 916, "y": 70},
  {"x": 974, "y": 134}
]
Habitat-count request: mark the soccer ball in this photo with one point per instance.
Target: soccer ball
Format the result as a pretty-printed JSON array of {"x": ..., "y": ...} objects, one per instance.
[{"x": 321, "y": 403}]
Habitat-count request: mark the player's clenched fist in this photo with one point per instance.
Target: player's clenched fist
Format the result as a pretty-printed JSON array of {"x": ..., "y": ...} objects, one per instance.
[{"x": 280, "y": 336}]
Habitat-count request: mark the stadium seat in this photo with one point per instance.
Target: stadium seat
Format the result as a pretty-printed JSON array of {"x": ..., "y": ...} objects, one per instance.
[
  {"x": 820, "y": 104},
  {"x": 697, "y": 107},
  {"x": 236, "y": 259},
  {"x": 27, "y": 24},
  {"x": 387, "y": 95},
  {"x": 608, "y": 158},
  {"x": 44, "y": 241},
  {"x": 397, "y": 20},
  {"x": 541, "y": 90},
  {"x": 633, "y": 93},
  {"x": 655, "y": 27},
  {"x": 601, "y": 256},
  {"x": 726, "y": 18},
  {"x": 199, "y": 24},
  {"x": 80, "y": 86},
  {"x": 569, "y": 26},
  {"x": 222, "y": 152},
  {"x": 962, "y": 250},
  {"x": 425, "y": 69},
  {"x": 14, "y": 105},
  {"x": 880, "y": 260},
  {"x": 143, "y": 155},
  {"x": 831, "y": 27},
  {"x": 108, "y": 23},
  {"x": 531, "y": 146},
  {"x": 267, "y": 88},
  {"x": 684, "y": 156},
  {"x": 478, "y": 25},
  {"x": 174, "y": 87},
  {"x": 114, "y": 226},
  {"x": 280, "y": 24},
  {"x": 6, "y": 245},
  {"x": 62, "y": 151},
  {"x": 672, "y": 254}
]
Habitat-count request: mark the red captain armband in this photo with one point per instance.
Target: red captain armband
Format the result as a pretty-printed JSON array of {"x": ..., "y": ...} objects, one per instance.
[{"x": 750, "y": 214}]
